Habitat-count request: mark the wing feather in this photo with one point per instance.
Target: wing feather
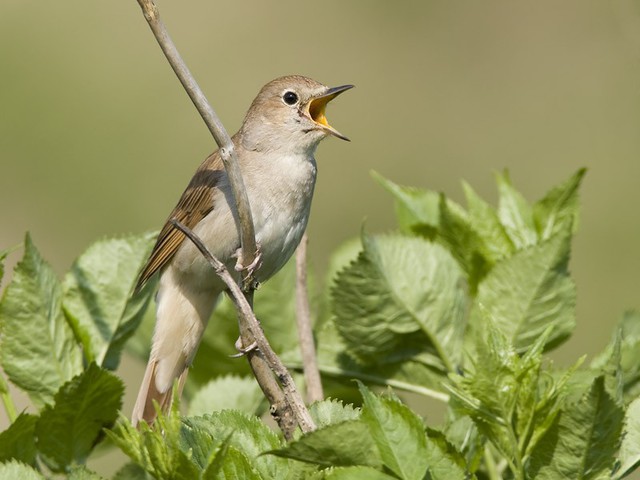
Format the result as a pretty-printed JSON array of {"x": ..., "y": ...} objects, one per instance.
[{"x": 195, "y": 204}]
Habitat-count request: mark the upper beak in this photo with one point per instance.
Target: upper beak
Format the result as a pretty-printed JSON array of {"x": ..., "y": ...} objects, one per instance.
[{"x": 317, "y": 105}]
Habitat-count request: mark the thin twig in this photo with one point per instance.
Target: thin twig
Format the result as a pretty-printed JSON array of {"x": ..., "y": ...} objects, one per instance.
[
  {"x": 7, "y": 401},
  {"x": 220, "y": 135},
  {"x": 244, "y": 310},
  {"x": 305, "y": 333}
]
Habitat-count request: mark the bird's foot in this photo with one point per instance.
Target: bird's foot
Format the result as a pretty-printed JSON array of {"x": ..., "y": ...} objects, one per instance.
[
  {"x": 251, "y": 268},
  {"x": 242, "y": 350}
]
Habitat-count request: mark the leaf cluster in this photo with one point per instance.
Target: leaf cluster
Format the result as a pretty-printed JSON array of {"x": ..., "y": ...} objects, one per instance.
[{"x": 460, "y": 304}]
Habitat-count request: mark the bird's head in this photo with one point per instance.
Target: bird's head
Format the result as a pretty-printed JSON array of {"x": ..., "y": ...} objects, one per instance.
[{"x": 289, "y": 114}]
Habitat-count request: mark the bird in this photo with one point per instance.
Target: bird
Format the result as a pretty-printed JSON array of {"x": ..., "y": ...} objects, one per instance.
[{"x": 275, "y": 149}]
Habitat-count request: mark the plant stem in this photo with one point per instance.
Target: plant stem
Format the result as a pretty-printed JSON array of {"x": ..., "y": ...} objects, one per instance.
[{"x": 305, "y": 332}]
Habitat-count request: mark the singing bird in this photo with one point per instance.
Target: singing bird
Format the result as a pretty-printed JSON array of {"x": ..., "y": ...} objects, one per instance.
[{"x": 275, "y": 149}]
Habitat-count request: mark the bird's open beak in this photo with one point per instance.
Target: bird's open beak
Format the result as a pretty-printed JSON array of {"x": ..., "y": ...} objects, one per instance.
[{"x": 317, "y": 106}]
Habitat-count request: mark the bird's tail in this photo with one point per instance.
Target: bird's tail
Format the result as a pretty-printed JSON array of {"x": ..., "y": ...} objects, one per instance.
[{"x": 181, "y": 318}]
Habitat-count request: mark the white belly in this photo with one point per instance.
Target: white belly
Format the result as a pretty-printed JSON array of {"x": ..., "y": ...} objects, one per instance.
[{"x": 280, "y": 194}]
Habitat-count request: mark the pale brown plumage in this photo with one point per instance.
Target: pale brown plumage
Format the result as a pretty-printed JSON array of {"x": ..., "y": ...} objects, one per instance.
[{"x": 275, "y": 149}]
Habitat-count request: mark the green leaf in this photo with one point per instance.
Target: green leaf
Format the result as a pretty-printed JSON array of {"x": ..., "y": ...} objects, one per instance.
[
  {"x": 484, "y": 220},
  {"x": 97, "y": 296},
  {"x": 398, "y": 287},
  {"x": 583, "y": 441},
  {"x": 355, "y": 473},
  {"x": 398, "y": 432},
  {"x": 559, "y": 207},
  {"x": 340, "y": 444},
  {"x": 444, "y": 460},
  {"x": 18, "y": 441},
  {"x": 250, "y": 436},
  {"x": 18, "y": 471},
  {"x": 629, "y": 456},
  {"x": 515, "y": 214},
  {"x": 529, "y": 291},
  {"x": 415, "y": 374},
  {"x": 235, "y": 466},
  {"x": 38, "y": 352},
  {"x": 3, "y": 255},
  {"x": 330, "y": 411},
  {"x": 414, "y": 206},
  {"x": 465, "y": 243},
  {"x": 68, "y": 429},
  {"x": 226, "y": 393},
  {"x": 628, "y": 332}
]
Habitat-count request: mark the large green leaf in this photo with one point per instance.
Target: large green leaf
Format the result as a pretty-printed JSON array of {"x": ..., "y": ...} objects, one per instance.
[
  {"x": 558, "y": 207},
  {"x": 528, "y": 292},
  {"x": 98, "y": 296},
  {"x": 398, "y": 433},
  {"x": 583, "y": 440},
  {"x": 355, "y": 473},
  {"x": 445, "y": 462},
  {"x": 403, "y": 295},
  {"x": 340, "y": 444},
  {"x": 39, "y": 351},
  {"x": 67, "y": 430}
]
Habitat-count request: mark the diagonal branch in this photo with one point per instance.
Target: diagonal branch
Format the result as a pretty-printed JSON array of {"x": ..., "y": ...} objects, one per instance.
[
  {"x": 245, "y": 312},
  {"x": 220, "y": 135}
]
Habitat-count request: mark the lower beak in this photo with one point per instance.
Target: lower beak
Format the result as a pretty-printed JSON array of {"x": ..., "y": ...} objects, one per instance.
[{"x": 318, "y": 105}]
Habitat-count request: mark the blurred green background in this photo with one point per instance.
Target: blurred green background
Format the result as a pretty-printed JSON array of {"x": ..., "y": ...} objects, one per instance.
[{"x": 97, "y": 137}]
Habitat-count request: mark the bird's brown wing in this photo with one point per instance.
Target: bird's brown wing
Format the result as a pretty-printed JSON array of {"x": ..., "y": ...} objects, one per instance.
[{"x": 196, "y": 202}]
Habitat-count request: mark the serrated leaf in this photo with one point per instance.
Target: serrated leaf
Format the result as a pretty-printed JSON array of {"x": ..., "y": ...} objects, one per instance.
[
  {"x": 414, "y": 206},
  {"x": 515, "y": 214},
  {"x": 398, "y": 432},
  {"x": 19, "y": 471},
  {"x": 226, "y": 393},
  {"x": 464, "y": 242},
  {"x": 38, "y": 351},
  {"x": 250, "y": 436},
  {"x": 484, "y": 220},
  {"x": 98, "y": 296},
  {"x": 628, "y": 331},
  {"x": 444, "y": 460},
  {"x": 340, "y": 444},
  {"x": 67, "y": 430},
  {"x": 399, "y": 286},
  {"x": 330, "y": 411},
  {"x": 528, "y": 292},
  {"x": 583, "y": 440},
  {"x": 18, "y": 441},
  {"x": 236, "y": 465},
  {"x": 559, "y": 207},
  {"x": 355, "y": 473},
  {"x": 629, "y": 455}
]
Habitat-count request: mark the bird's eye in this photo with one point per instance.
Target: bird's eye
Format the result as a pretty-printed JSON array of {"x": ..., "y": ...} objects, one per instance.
[{"x": 290, "y": 98}]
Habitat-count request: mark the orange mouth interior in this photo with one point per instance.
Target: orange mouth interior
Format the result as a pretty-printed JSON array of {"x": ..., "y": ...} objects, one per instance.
[{"x": 317, "y": 107}]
